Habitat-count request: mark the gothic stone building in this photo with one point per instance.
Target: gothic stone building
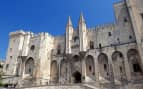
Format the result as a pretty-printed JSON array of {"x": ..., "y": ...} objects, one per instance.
[{"x": 107, "y": 56}]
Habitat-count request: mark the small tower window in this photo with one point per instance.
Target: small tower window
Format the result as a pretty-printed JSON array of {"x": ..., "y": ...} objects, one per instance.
[
  {"x": 59, "y": 49},
  {"x": 125, "y": 20},
  {"x": 32, "y": 47},
  {"x": 118, "y": 40},
  {"x": 100, "y": 46},
  {"x": 91, "y": 43},
  {"x": 10, "y": 57},
  {"x": 109, "y": 34},
  {"x": 130, "y": 37}
]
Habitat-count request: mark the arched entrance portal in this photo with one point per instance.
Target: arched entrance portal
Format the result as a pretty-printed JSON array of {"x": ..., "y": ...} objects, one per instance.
[
  {"x": 29, "y": 66},
  {"x": 76, "y": 69},
  {"x": 77, "y": 77},
  {"x": 90, "y": 67},
  {"x": 135, "y": 63},
  {"x": 119, "y": 66},
  {"x": 103, "y": 67},
  {"x": 54, "y": 72}
]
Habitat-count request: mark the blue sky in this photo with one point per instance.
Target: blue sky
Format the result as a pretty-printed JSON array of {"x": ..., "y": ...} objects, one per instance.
[{"x": 50, "y": 16}]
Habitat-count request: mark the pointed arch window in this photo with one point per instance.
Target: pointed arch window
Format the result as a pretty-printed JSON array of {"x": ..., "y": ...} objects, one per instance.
[
  {"x": 76, "y": 38},
  {"x": 32, "y": 47}
]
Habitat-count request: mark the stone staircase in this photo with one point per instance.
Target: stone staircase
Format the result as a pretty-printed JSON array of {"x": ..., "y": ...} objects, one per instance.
[
  {"x": 91, "y": 86},
  {"x": 58, "y": 87},
  {"x": 66, "y": 86}
]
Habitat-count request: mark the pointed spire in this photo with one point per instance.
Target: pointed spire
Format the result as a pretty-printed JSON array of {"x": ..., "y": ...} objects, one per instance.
[
  {"x": 81, "y": 18},
  {"x": 69, "y": 23}
]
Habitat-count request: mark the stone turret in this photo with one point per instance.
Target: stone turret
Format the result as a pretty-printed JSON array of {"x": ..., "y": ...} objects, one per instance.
[
  {"x": 82, "y": 33},
  {"x": 14, "y": 51},
  {"x": 69, "y": 33},
  {"x": 135, "y": 10}
]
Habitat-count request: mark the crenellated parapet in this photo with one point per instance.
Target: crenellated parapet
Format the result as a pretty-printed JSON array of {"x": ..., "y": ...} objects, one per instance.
[
  {"x": 16, "y": 33},
  {"x": 101, "y": 28},
  {"x": 105, "y": 26}
]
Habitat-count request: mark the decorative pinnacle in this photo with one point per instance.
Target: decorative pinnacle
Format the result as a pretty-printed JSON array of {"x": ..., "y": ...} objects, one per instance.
[
  {"x": 81, "y": 20},
  {"x": 69, "y": 23}
]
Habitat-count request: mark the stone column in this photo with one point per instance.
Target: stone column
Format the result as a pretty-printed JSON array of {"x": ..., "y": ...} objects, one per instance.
[
  {"x": 83, "y": 71},
  {"x": 23, "y": 66},
  {"x": 111, "y": 66},
  {"x": 127, "y": 66},
  {"x": 59, "y": 72},
  {"x": 82, "y": 57},
  {"x": 111, "y": 69},
  {"x": 97, "y": 74},
  {"x": 69, "y": 58}
]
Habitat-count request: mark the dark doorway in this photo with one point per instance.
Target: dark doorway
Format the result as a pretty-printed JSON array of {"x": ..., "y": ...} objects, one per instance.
[{"x": 77, "y": 77}]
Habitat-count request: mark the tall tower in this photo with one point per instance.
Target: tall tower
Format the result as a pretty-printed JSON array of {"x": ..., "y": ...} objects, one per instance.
[
  {"x": 69, "y": 33},
  {"x": 82, "y": 33},
  {"x": 135, "y": 9},
  {"x": 14, "y": 51}
]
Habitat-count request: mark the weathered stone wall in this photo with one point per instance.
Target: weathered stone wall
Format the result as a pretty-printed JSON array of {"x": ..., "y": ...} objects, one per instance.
[
  {"x": 14, "y": 50},
  {"x": 109, "y": 61}
]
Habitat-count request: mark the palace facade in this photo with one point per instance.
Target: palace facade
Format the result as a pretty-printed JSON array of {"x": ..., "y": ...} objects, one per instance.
[{"x": 108, "y": 56}]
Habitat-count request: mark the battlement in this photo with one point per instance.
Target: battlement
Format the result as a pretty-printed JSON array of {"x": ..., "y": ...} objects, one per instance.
[
  {"x": 43, "y": 34},
  {"x": 29, "y": 33},
  {"x": 100, "y": 27},
  {"x": 105, "y": 26},
  {"x": 19, "y": 32}
]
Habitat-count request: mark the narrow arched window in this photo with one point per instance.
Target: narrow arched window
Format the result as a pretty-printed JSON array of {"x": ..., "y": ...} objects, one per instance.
[
  {"x": 109, "y": 34},
  {"x": 100, "y": 46},
  {"x": 125, "y": 20},
  {"x": 76, "y": 38},
  {"x": 130, "y": 37},
  {"x": 59, "y": 49},
  {"x": 91, "y": 44},
  {"x": 32, "y": 47}
]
